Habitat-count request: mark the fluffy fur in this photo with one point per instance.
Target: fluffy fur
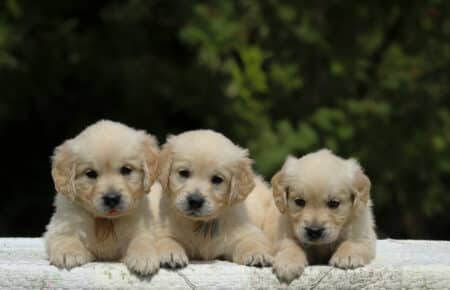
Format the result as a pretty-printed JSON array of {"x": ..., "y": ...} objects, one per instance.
[
  {"x": 102, "y": 177},
  {"x": 324, "y": 214},
  {"x": 207, "y": 166}
]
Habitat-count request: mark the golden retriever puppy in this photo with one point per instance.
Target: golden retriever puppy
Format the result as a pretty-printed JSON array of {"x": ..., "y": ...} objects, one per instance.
[
  {"x": 201, "y": 206},
  {"x": 102, "y": 177},
  {"x": 324, "y": 214}
]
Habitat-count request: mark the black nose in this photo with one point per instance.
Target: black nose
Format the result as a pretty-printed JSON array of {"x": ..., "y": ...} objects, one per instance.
[
  {"x": 111, "y": 199},
  {"x": 314, "y": 233},
  {"x": 195, "y": 201}
]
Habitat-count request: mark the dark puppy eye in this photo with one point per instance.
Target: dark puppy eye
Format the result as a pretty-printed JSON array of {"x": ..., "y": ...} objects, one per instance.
[
  {"x": 92, "y": 174},
  {"x": 333, "y": 203},
  {"x": 125, "y": 170},
  {"x": 300, "y": 202},
  {"x": 184, "y": 173},
  {"x": 216, "y": 180}
]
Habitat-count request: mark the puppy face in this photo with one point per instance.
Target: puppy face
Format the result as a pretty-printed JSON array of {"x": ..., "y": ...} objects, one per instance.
[
  {"x": 106, "y": 169},
  {"x": 203, "y": 172},
  {"x": 321, "y": 193}
]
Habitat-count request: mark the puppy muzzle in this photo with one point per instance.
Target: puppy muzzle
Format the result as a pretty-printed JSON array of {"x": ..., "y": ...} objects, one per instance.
[
  {"x": 112, "y": 202},
  {"x": 195, "y": 205},
  {"x": 314, "y": 235},
  {"x": 195, "y": 201}
]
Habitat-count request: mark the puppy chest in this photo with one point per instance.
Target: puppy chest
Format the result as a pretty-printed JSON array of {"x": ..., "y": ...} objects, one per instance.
[
  {"x": 108, "y": 249},
  {"x": 106, "y": 241},
  {"x": 205, "y": 249},
  {"x": 199, "y": 247},
  {"x": 209, "y": 241},
  {"x": 319, "y": 255}
]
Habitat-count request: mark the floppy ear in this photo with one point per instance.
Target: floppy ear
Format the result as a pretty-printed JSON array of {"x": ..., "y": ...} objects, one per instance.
[
  {"x": 63, "y": 171},
  {"x": 361, "y": 187},
  {"x": 242, "y": 182},
  {"x": 164, "y": 165},
  {"x": 150, "y": 165},
  {"x": 279, "y": 191}
]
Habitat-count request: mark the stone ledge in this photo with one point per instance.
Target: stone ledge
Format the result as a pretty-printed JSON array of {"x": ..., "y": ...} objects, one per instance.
[{"x": 399, "y": 264}]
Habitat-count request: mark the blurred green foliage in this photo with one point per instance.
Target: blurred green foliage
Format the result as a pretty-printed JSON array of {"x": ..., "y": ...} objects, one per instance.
[{"x": 367, "y": 79}]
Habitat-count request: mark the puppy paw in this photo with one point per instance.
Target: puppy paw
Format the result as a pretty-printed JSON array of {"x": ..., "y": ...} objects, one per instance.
[
  {"x": 347, "y": 261},
  {"x": 257, "y": 260},
  {"x": 71, "y": 258},
  {"x": 142, "y": 263},
  {"x": 288, "y": 268},
  {"x": 173, "y": 259}
]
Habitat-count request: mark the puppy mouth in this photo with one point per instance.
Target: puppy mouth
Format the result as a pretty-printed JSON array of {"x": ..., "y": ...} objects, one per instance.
[
  {"x": 315, "y": 242},
  {"x": 113, "y": 212},
  {"x": 192, "y": 213},
  {"x": 110, "y": 213},
  {"x": 196, "y": 214},
  {"x": 325, "y": 240}
]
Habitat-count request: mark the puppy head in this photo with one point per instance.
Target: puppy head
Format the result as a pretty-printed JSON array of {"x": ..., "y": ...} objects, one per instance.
[
  {"x": 321, "y": 193},
  {"x": 203, "y": 172},
  {"x": 106, "y": 169}
]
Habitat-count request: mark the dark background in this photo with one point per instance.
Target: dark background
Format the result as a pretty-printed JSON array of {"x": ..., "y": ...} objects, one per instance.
[{"x": 368, "y": 79}]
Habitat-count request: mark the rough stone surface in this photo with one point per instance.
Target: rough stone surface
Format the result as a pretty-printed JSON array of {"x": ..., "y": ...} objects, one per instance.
[{"x": 400, "y": 264}]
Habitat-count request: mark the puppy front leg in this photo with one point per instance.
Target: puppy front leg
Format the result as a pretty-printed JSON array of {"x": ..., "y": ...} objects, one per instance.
[
  {"x": 140, "y": 256},
  {"x": 290, "y": 261},
  {"x": 352, "y": 254},
  {"x": 67, "y": 251},
  {"x": 171, "y": 254},
  {"x": 253, "y": 249}
]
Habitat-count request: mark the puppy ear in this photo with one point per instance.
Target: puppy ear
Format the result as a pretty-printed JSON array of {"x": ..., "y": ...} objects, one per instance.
[
  {"x": 150, "y": 165},
  {"x": 361, "y": 187},
  {"x": 164, "y": 165},
  {"x": 279, "y": 191},
  {"x": 63, "y": 171},
  {"x": 242, "y": 182}
]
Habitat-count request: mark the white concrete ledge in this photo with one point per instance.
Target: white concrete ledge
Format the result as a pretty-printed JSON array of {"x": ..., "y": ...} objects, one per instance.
[{"x": 399, "y": 264}]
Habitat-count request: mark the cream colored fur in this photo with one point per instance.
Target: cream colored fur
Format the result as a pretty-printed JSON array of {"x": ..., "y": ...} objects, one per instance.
[
  {"x": 82, "y": 229},
  {"x": 318, "y": 178},
  {"x": 222, "y": 228}
]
